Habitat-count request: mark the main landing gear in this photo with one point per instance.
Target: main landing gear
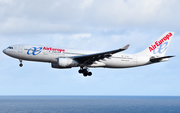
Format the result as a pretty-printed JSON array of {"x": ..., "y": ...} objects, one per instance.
[
  {"x": 85, "y": 71},
  {"x": 20, "y": 63}
]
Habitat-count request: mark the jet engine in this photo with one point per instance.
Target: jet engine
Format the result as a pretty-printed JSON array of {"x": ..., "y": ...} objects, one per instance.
[{"x": 65, "y": 63}]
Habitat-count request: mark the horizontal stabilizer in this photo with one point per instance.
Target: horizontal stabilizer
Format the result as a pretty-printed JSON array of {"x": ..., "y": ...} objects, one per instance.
[{"x": 159, "y": 59}]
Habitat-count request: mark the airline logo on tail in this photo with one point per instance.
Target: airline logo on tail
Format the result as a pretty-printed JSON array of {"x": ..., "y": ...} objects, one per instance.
[{"x": 163, "y": 46}]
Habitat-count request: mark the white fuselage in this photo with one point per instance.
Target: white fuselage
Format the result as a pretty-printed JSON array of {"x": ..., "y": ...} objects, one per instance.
[
  {"x": 67, "y": 58},
  {"x": 51, "y": 55}
]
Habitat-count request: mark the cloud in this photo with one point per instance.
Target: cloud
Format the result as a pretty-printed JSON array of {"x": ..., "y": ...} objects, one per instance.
[
  {"x": 86, "y": 3},
  {"x": 97, "y": 25},
  {"x": 86, "y": 16},
  {"x": 80, "y": 36}
]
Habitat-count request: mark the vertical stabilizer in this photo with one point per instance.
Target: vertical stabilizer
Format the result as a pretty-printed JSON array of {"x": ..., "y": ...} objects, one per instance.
[{"x": 160, "y": 46}]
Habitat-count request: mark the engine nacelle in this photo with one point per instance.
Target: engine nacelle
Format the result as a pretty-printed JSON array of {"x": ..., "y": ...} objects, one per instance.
[{"x": 65, "y": 63}]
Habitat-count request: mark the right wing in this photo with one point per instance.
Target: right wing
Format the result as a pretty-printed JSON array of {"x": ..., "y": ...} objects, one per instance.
[{"x": 91, "y": 58}]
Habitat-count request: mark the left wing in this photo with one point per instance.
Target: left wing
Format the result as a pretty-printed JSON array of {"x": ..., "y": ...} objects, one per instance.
[{"x": 91, "y": 58}]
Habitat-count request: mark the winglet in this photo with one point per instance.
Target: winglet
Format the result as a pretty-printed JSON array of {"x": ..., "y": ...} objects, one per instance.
[{"x": 126, "y": 47}]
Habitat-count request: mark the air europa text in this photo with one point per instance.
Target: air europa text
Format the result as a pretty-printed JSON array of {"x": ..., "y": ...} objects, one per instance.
[
  {"x": 158, "y": 43},
  {"x": 53, "y": 49}
]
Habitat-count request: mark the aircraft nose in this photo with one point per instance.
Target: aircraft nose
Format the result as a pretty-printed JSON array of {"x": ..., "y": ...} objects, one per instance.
[{"x": 4, "y": 51}]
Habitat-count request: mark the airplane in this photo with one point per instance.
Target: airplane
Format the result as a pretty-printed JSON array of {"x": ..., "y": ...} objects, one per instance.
[{"x": 61, "y": 58}]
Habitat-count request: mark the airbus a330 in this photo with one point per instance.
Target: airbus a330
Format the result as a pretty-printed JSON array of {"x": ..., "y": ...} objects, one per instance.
[{"x": 62, "y": 58}]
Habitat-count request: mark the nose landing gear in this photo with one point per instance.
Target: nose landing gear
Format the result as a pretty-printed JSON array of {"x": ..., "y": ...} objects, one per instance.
[
  {"x": 85, "y": 71},
  {"x": 20, "y": 63}
]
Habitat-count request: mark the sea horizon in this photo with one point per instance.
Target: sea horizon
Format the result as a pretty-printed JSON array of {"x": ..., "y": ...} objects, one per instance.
[{"x": 89, "y": 104}]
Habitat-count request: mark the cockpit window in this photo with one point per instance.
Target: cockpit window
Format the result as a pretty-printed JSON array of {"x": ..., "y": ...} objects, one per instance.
[{"x": 10, "y": 48}]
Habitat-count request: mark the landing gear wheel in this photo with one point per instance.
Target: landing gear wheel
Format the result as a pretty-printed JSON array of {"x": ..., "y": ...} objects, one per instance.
[
  {"x": 80, "y": 71},
  {"x": 85, "y": 74},
  {"x": 20, "y": 65},
  {"x": 85, "y": 71},
  {"x": 89, "y": 73}
]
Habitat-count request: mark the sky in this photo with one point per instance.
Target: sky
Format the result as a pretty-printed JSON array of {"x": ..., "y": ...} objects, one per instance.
[{"x": 96, "y": 25}]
